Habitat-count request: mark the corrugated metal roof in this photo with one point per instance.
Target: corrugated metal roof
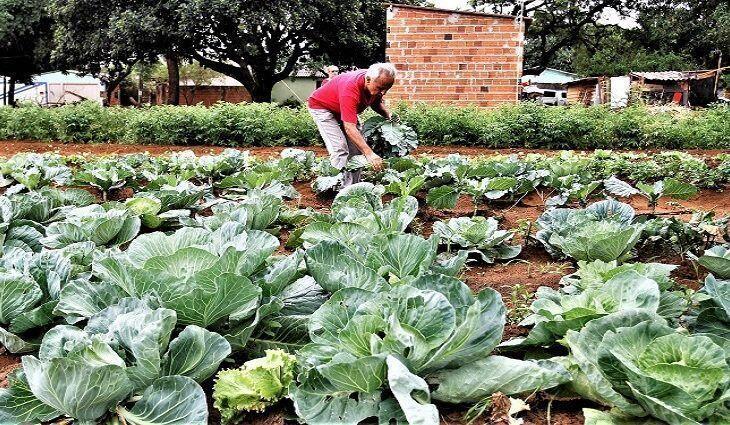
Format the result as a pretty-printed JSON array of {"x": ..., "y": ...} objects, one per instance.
[{"x": 666, "y": 75}]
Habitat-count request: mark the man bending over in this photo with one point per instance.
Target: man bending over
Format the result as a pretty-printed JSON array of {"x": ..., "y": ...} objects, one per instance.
[{"x": 335, "y": 107}]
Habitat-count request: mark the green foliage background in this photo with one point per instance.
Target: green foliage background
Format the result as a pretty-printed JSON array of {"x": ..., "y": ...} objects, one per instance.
[{"x": 262, "y": 124}]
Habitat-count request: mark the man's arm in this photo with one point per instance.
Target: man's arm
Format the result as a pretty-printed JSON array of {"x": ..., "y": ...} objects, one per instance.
[
  {"x": 354, "y": 135},
  {"x": 382, "y": 110}
]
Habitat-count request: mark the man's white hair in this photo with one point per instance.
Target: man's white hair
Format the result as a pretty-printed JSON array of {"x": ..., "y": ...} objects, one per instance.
[{"x": 378, "y": 69}]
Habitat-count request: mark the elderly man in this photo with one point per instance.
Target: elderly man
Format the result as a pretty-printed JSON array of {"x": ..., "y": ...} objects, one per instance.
[
  {"x": 332, "y": 71},
  {"x": 335, "y": 107}
]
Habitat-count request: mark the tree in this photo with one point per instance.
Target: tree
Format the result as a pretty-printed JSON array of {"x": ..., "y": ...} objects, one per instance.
[
  {"x": 260, "y": 43},
  {"x": 25, "y": 41},
  {"x": 668, "y": 34},
  {"x": 559, "y": 25},
  {"x": 107, "y": 38},
  {"x": 366, "y": 40},
  {"x": 615, "y": 54}
]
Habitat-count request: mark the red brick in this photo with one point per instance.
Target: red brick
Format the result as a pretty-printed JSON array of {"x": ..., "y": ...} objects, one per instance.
[{"x": 479, "y": 51}]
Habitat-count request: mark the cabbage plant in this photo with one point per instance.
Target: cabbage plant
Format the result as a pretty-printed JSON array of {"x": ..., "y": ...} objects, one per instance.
[
  {"x": 598, "y": 289},
  {"x": 478, "y": 235},
  {"x": 30, "y": 286},
  {"x": 388, "y": 138},
  {"x": 430, "y": 339},
  {"x": 124, "y": 363},
  {"x": 668, "y": 187},
  {"x": 24, "y": 216},
  {"x": 603, "y": 231},
  {"x": 33, "y": 171},
  {"x": 166, "y": 204},
  {"x": 717, "y": 261},
  {"x": 105, "y": 175},
  {"x": 104, "y": 225},
  {"x": 634, "y": 362},
  {"x": 257, "y": 211},
  {"x": 711, "y": 314},
  {"x": 218, "y": 280},
  {"x": 358, "y": 214}
]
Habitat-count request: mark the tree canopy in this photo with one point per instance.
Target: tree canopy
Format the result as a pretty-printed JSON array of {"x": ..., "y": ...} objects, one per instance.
[
  {"x": 664, "y": 34},
  {"x": 25, "y": 39}
]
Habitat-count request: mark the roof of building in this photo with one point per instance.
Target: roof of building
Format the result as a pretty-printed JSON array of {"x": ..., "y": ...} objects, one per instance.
[
  {"x": 552, "y": 76},
  {"x": 674, "y": 75},
  {"x": 587, "y": 80},
  {"x": 69, "y": 77},
  {"x": 226, "y": 81},
  {"x": 463, "y": 12}
]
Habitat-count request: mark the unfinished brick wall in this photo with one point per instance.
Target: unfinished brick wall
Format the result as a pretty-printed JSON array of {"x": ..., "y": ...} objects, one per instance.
[
  {"x": 454, "y": 57},
  {"x": 207, "y": 95}
]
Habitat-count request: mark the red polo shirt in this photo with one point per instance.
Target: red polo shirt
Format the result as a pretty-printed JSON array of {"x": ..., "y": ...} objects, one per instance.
[{"x": 345, "y": 95}]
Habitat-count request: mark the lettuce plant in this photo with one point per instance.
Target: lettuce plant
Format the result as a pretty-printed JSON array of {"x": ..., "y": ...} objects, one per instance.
[
  {"x": 603, "y": 231},
  {"x": 257, "y": 384},
  {"x": 124, "y": 363},
  {"x": 429, "y": 339},
  {"x": 632, "y": 361},
  {"x": 478, "y": 235}
]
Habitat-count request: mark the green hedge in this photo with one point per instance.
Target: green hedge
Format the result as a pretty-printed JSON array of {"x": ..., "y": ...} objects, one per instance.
[{"x": 521, "y": 126}]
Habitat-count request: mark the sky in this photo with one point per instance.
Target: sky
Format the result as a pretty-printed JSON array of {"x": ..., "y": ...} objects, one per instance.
[{"x": 609, "y": 17}]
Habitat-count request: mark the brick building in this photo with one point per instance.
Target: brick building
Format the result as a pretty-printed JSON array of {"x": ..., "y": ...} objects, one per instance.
[
  {"x": 454, "y": 57},
  {"x": 220, "y": 89}
]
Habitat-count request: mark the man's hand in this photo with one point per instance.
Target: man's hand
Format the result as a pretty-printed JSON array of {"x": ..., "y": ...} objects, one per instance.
[{"x": 375, "y": 161}]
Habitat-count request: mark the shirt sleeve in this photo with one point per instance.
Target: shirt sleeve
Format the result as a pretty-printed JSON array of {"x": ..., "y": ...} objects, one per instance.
[{"x": 349, "y": 101}]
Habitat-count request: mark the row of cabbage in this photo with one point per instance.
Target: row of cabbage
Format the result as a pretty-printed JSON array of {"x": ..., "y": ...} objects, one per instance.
[{"x": 126, "y": 320}]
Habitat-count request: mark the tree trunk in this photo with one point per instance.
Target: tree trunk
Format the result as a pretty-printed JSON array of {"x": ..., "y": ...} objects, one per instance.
[
  {"x": 173, "y": 78},
  {"x": 261, "y": 91},
  {"x": 110, "y": 87},
  {"x": 11, "y": 91}
]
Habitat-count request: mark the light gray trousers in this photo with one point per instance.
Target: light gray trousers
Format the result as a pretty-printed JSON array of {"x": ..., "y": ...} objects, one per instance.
[{"x": 339, "y": 148}]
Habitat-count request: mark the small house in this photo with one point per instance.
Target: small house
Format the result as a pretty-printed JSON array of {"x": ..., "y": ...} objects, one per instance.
[
  {"x": 295, "y": 89},
  {"x": 60, "y": 88},
  {"x": 686, "y": 88}
]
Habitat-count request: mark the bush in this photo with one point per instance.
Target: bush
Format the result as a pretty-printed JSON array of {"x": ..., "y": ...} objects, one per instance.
[{"x": 527, "y": 125}]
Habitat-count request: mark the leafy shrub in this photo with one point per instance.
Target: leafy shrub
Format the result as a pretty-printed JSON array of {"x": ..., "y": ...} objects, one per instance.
[{"x": 527, "y": 125}]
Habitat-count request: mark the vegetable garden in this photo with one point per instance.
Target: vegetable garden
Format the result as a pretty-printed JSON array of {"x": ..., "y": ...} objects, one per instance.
[{"x": 184, "y": 289}]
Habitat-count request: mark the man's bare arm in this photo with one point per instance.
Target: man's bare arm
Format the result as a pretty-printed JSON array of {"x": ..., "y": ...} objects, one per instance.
[
  {"x": 354, "y": 135},
  {"x": 382, "y": 110}
]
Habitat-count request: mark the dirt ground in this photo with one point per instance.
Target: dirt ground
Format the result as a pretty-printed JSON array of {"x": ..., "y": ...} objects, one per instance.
[
  {"x": 11, "y": 147},
  {"x": 532, "y": 269}
]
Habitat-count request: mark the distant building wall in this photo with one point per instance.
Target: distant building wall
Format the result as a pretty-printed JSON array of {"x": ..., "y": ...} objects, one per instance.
[
  {"x": 293, "y": 89},
  {"x": 454, "y": 57}
]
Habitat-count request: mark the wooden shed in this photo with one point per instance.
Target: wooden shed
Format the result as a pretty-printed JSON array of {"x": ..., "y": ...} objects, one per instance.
[
  {"x": 687, "y": 88},
  {"x": 589, "y": 91}
]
